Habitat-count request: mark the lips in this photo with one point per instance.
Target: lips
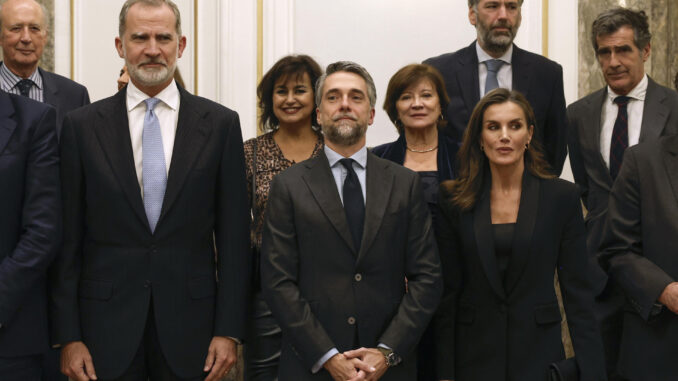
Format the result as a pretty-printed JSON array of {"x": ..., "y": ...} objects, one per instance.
[
  {"x": 505, "y": 150},
  {"x": 291, "y": 110}
]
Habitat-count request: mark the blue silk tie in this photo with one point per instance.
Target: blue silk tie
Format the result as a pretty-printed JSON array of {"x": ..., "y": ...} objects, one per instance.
[
  {"x": 154, "y": 173},
  {"x": 491, "y": 81}
]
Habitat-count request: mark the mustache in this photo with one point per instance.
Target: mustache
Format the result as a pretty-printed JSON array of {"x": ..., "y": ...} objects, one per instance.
[
  {"x": 153, "y": 61},
  {"x": 345, "y": 115}
]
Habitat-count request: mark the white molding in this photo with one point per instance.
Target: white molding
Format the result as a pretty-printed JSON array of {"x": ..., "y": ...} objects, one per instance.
[
  {"x": 530, "y": 33},
  {"x": 278, "y": 27},
  {"x": 62, "y": 37}
]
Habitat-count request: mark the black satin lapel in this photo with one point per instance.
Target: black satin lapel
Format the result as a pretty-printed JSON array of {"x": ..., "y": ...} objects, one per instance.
[
  {"x": 191, "y": 136},
  {"x": 655, "y": 113},
  {"x": 521, "y": 72},
  {"x": 671, "y": 163},
  {"x": 7, "y": 124},
  {"x": 379, "y": 182},
  {"x": 522, "y": 237},
  {"x": 320, "y": 181},
  {"x": 482, "y": 227},
  {"x": 112, "y": 130}
]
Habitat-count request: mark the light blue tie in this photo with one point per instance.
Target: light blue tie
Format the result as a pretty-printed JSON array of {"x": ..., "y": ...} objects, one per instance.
[
  {"x": 493, "y": 67},
  {"x": 154, "y": 174}
]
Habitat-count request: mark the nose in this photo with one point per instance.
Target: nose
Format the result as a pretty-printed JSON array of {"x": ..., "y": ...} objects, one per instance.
[
  {"x": 25, "y": 35},
  {"x": 504, "y": 137},
  {"x": 416, "y": 102},
  {"x": 502, "y": 12},
  {"x": 152, "y": 48},
  {"x": 614, "y": 61},
  {"x": 345, "y": 105}
]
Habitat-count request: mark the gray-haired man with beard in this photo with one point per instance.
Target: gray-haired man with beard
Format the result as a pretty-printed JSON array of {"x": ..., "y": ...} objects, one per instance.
[
  {"x": 343, "y": 230},
  {"x": 492, "y": 61}
]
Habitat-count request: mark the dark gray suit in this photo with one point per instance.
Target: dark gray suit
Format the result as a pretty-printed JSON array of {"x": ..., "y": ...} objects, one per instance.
[
  {"x": 660, "y": 114},
  {"x": 640, "y": 252},
  {"x": 323, "y": 293},
  {"x": 62, "y": 93}
]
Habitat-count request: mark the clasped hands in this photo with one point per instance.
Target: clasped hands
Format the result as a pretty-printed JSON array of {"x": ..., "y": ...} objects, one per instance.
[
  {"x": 76, "y": 361},
  {"x": 357, "y": 365}
]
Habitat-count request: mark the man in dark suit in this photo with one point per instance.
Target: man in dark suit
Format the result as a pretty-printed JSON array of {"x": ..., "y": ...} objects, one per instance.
[
  {"x": 599, "y": 123},
  {"x": 639, "y": 251},
  {"x": 343, "y": 230},
  {"x": 30, "y": 232},
  {"x": 153, "y": 278},
  {"x": 23, "y": 35},
  {"x": 494, "y": 61}
]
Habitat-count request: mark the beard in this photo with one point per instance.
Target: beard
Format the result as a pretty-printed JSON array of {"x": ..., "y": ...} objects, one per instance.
[
  {"x": 151, "y": 77},
  {"x": 497, "y": 42},
  {"x": 344, "y": 132}
]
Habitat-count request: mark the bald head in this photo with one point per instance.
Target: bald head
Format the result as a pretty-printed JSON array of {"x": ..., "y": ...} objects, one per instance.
[{"x": 23, "y": 34}]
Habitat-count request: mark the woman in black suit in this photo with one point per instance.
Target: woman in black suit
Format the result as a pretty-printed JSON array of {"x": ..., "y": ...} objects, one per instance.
[
  {"x": 505, "y": 226},
  {"x": 414, "y": 99}
]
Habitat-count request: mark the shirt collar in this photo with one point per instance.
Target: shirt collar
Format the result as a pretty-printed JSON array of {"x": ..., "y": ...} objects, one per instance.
[
  {"x": 14, "y": 79},
  {"x": 483, "y": 56},
  {"x": 637, "y": 93},
  {"x": 169, "y": 96},
  {"x": 360, "y": 157}
]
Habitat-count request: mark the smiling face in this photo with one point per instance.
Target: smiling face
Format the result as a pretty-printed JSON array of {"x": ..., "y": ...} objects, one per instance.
[
  {"x": 419, "y": 106},
  {"x": 505, "y": 133},
  {"x": 497, "y": 23},
  {"x": 620, "y": 60},
  {"x": 345, "y": 111},
  {"x": 23, "y": 35},
  {"x": 293, "y": 99},
  {"x": 150, "y": 46}
]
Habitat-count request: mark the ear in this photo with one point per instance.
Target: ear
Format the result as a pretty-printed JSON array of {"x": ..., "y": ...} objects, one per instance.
[
  {"x": 182, "y": 46},
  {"x": 369, "y": 123},
  {"x": 118, "y": 47},
  {"x": 646, "y": 52},
  {"x": 472, "y": 17},
  {"x": 530, "y": 132},
  {"x": 317, "y": 115}
]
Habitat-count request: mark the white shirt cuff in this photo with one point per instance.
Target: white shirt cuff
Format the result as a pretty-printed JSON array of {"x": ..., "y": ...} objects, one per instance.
[{"x": 318, "y": 365}]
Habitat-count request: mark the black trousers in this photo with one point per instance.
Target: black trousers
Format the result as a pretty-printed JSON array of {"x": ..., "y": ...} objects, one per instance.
[
  {"x": 149, "y": 363},
  {"x": 262, "y": 347},
  {"x": 608, "y": 309},
  {"x": 24, "y": 368}
]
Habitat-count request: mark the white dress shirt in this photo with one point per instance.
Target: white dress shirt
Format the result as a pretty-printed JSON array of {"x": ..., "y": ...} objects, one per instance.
[
  {"x": 505, "y": 73},
  {"x": 634, "y": 109},
  {"x": 339, "y": 172},
  {"x": 167, "y": 111}
]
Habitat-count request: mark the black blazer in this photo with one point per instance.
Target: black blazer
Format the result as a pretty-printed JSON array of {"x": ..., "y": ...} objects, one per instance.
[
  {"x": 640, "y": 252},
  {"x": 536, "y": 77},
  {"x": 322, "y": 292},
  {"x": 447, "y": 154},
  {"x": 30, "y": 221},
  {"x": 64, "y": 94},
  {"x": 112, "y": 266},
  {"x": 494, "y": 329},
  {"x": 660, "y": 117}
]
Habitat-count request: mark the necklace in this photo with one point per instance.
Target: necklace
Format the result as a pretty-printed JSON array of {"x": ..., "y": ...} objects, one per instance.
[{"x": 423, "y": 150}]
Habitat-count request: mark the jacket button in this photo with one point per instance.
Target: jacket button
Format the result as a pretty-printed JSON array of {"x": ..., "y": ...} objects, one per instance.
[
  {"x": 358, "y": 277},
  {"x": 351, "y": 320}
]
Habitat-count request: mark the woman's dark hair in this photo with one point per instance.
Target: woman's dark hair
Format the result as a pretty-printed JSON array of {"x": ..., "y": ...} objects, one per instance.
[
  {"x": 473, "y": 164},
  {"x": 406, "y": 77},
  {"x": 293, "y": 65}
]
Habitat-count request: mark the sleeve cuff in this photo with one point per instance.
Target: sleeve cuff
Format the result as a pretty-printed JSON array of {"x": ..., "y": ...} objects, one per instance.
[{"x": 319, "y": 364}]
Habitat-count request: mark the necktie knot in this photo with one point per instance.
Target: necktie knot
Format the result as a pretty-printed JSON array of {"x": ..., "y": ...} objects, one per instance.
[
  {"x": 622, "y": 100},
  {"x": 348, "y": 164},
  {"x": 24, "y": 86},
  {"x": 151, "y": 103},
  {"x": 494, "y": 65}
]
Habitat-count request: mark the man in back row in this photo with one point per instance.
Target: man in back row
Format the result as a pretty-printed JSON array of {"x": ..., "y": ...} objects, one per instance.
[{"x": 492, "y": 61}]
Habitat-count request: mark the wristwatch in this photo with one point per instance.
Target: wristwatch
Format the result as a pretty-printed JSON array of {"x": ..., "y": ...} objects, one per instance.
[{"x": 392, "y": 359}]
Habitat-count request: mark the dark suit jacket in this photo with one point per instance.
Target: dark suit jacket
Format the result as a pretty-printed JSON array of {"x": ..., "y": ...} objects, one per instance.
[
  {"x": 62, "y": 93},
  {"x": 30, "y": 221},
  {"x": 660, "y": 115},
  {"x": 490, "y": 328},
  {"x": 112, "y": 267},
  {"x": 446, "y": 156},
  {"x": 536, "y": 77},
  {"x": 640, "y": 252},
  {"x": 323, "y": 293}
]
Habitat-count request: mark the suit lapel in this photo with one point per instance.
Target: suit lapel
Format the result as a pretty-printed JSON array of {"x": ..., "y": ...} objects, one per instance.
[
  {"x": 49, "y": 91},
  {"x": 378, "y": 178},
  {"x": 520, "y": 68},
  {"x": 112, "y": 130},
  {"x": 592, "y": 130},
  {"x": 7, "y": 123},
  {"x": 320, "y": 181},
  {"x": 467, "y": 77},
  {"x": 522, "y": 237},
  {"x": 482, "y": 227},
  {"x": 655, "y": 113},
  {"x": 192, "y": 134},
  {"x": 671, "y": 162}
]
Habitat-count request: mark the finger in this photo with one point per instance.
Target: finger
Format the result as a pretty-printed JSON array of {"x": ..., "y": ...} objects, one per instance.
[
  {"x": 78, "y": 374},
  {"x": 89, "y": 368},
  {"x": 355, "y": 353},
  {"x": 209, "y": 361},
  {"x": 359, "y": 376},
  {"x": 362, "y": 365},
  {"x": 217, "y": 369}
]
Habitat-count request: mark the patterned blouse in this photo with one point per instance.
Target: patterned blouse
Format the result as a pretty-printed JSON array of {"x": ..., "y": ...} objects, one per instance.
[{"x": 270, "y": 162}]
